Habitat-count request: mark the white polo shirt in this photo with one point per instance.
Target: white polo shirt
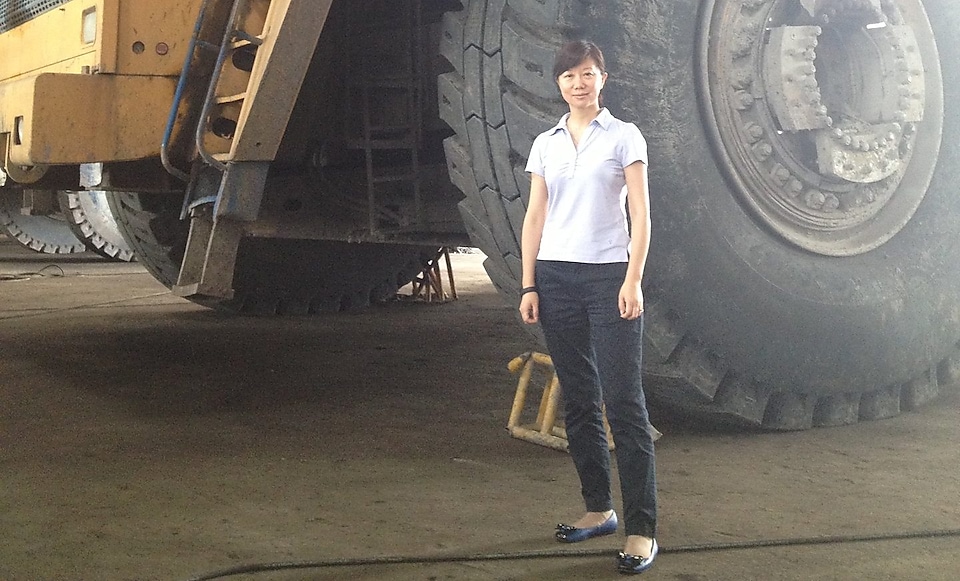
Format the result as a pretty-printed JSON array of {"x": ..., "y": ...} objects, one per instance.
[{"x": 586, "y": 191}]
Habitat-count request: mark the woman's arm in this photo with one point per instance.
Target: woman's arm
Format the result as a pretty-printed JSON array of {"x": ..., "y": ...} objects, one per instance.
[
  {"x": 530, "y": 236},
  {"x": 638, "y": 201}
]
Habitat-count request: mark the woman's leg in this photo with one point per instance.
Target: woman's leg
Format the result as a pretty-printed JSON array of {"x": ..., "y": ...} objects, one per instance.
[
  {"x": 618, "y": 344},
  {"x": 565, "y": 325}
]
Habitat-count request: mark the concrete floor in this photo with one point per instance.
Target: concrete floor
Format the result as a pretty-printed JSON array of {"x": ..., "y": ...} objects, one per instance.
[{"x": 143, "y": 437}]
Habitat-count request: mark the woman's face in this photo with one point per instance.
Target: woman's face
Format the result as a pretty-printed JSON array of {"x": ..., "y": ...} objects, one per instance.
[{"x": 581, "y": 85}]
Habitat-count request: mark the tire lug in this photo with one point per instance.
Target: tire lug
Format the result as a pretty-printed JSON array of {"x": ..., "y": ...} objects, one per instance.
[
  {"x": 754, "y": 132},
  {"x": 743, "y": 80},
  {"x": 796, "y": 186},
  {"x": 780, "y": 174},
  {"x": 744, "y": 100},
  {"x": 763, "y": 151},
  {"x": 744, "y": 43},
  {"x": 815, "y": 199}
]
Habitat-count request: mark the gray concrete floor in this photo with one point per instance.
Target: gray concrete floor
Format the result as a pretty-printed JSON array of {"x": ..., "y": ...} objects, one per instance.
[{"x": 144, "y": 437}]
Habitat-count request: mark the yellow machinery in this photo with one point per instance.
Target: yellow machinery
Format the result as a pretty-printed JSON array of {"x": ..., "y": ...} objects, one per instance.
[
  {"x": 297, "y": 156},
  {"x": 101, "y": 73}
]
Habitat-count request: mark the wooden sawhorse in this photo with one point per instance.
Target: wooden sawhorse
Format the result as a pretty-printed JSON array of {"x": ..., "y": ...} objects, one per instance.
[{"x": 545, "y": 431}]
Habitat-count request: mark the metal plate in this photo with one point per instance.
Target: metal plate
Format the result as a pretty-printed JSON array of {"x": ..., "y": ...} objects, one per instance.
[{"x": 13, "y": 13}]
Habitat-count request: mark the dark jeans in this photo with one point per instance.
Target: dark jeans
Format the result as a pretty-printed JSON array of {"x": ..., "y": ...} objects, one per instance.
[{"x": 597, "y": 356}]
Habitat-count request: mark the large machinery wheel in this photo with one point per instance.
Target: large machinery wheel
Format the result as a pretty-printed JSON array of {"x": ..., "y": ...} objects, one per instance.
[
  {"x": 285, "y": 277},
  {"x": 804, "y": 175},
  {"x": 88, "y": 216},
  {"x": 46, "y": 233}
]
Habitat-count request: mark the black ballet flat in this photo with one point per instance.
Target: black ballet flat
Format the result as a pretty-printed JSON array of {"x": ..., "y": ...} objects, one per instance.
[
  {"x": 633, "y": 565},
  {"x": 569, "y": 534}
]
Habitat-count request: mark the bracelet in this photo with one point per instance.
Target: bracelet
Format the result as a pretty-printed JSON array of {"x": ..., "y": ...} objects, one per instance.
[{"x": 528, "y": 289}]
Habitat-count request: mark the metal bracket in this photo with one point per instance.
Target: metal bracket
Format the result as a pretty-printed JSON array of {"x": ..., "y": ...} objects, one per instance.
[
  {"x": 18, "y": 173},
  {"x": 216, "y": 230},
  {"x": 241, "y": 191},
  {"x": 210, "y": 258}
]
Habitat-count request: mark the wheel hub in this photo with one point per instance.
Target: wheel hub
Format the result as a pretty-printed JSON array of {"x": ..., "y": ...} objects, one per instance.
[{"x": 827, "y": 114}]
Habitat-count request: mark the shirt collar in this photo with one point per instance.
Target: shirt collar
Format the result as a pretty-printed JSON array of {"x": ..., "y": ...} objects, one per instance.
[{"x": 603, "y": 119}]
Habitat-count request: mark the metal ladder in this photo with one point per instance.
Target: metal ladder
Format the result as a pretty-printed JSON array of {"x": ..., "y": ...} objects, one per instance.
[
  {"x": 251, "y": 89},
  {"x": 388, "y": 79}
]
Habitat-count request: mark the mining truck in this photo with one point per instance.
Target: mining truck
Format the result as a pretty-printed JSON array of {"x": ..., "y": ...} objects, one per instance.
[{"x": 300, "y": 156}]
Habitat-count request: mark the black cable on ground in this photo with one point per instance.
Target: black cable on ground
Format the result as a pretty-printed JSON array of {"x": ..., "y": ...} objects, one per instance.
[
  {"x": 28, "y": 275},
  {"x": 566, "y": 553}
]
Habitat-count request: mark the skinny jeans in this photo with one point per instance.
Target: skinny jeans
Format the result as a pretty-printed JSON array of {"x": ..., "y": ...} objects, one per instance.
[{"x": 597, "y": 357}]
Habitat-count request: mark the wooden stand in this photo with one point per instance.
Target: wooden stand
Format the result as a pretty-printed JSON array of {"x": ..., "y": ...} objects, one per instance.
[
  {"x": 545, "y": 431},
  {"x": 428, "y": 286}
]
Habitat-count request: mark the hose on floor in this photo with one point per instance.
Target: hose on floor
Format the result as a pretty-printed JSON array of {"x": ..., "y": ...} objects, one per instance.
[{"x": 560, "y": 553}]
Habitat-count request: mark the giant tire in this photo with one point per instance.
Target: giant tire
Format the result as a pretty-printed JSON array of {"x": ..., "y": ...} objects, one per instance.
[
  {"x": 89, "y": 217},
  {"x": 47, "y": 234},
  {"x": 745, "y": 317},
  {"x": 272, "y": 276}
]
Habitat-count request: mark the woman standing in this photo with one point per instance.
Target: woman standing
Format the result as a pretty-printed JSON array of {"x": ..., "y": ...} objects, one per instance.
[{"x": 582, "y": 266}]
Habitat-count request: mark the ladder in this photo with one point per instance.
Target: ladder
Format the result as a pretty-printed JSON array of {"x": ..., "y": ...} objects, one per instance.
[
  {"x": 384, "y": 102},
  {"x": 262, "y": 55}
]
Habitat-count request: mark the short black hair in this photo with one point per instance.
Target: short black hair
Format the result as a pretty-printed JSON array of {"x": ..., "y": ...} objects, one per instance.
[{"x": 575, "y": 52}]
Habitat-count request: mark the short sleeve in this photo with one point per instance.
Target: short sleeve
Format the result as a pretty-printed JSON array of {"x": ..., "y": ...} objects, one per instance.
[
  {"x": 633, "y": 146},
  {"x": 535, "y": 161}
]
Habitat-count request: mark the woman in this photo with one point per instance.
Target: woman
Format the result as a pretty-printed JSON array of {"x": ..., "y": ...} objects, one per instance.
[{"x": 582, "y": 266}]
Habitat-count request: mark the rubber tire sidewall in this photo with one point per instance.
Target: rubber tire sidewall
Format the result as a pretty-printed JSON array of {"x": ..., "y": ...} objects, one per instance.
[{"x": 779, "y": 315}]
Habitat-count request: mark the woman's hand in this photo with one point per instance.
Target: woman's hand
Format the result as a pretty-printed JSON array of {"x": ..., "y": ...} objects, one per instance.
[
  {"x": 530, "y": 308},
  {"x": 631, "y": 300}
]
